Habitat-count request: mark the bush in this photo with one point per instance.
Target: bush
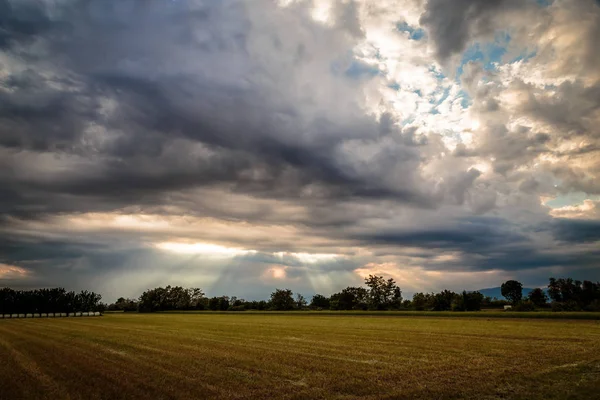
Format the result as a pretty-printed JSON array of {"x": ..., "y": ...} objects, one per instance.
[
  {"x": 565, "y": 306},
  {"x": 237, "y": 308},
  {"x": 593, "y": 306},
  {"x": 524, "y": 306}
]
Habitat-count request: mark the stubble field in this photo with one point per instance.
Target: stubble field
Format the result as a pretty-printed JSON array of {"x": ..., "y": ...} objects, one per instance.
[{"x": 287, "y": 356}]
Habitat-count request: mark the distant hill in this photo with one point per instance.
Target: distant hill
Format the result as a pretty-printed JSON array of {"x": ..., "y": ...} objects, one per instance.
[{"x": 497, "y": 292}]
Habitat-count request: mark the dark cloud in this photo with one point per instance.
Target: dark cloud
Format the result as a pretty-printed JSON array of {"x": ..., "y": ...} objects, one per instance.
[
  {"x": 577, "y": 231},
  {"x": 253, "y": 138},
  {"x": 453, "y": 24},
  {"x": 21, "y": 20},
  {"x": 473, "y": 235}
]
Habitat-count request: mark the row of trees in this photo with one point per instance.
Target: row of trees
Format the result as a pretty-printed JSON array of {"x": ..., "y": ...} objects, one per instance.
[
  {"x": 447, "y": 300},
  {"x": 48, "y": 301},
  {"x": 171, "y": 298},
  {"x": 379, "y": 294},
  {"x": 565, "y": 294}
]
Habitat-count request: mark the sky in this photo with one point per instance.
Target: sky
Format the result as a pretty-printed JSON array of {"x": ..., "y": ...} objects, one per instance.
[{"x": 245, "y": 145}]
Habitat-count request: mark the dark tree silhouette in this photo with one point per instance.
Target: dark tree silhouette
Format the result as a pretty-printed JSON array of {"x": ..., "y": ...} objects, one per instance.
[
  {"x": 282, "y": 300},
  {"x": 538, "y": 297},
  {"x": 512, "y": 290},
  {"x": 319, "y": 301}
]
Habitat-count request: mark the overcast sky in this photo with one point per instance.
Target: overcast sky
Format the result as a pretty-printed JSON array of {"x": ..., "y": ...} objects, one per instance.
[{"x": 244, "y": 145}]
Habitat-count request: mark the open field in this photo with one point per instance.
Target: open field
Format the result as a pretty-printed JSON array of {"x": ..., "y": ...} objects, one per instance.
[
  {"x": 262, "y": 356},
  {"x": 581, "y": 315}
]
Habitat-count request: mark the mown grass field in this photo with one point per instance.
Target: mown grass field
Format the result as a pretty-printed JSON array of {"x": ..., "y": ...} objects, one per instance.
[{"x": 262, "y": 356}]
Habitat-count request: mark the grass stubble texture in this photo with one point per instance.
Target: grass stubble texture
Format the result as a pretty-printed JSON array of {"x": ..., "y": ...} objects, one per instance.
[{"x": 258, "y": 356}]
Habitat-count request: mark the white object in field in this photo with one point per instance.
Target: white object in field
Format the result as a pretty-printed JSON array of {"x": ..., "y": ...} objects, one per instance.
[
  {"x": 85, "y": 314},
  {"x": 506, "y": 308},
  {"x": 29, "y": 316},
  {"x": 97, "y": 314},
  {"x": 63, "y": 314},
  {"x": 50, "y": 315},
  {"x": 1, "y": 316},
  {"x": 36, "y": 315},
  {"x": 14, "y": 316},
  {"x": 78, "y": 314},
  {"x": 43, "y": 315}
]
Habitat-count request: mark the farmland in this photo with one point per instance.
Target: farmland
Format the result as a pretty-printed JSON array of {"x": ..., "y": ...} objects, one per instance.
[{"x": 260, "y": 356}]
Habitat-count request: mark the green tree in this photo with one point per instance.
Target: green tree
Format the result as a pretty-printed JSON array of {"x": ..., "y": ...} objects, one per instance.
[
  {"x": 123, "y": 304},
  {"x": 564, "y": 290},
  {"x": 443, "y": 301},
  {"x": 538, "y": 297},
  {"x": 351, "y": 298},
  {"x": 383, "y": 294},
  {"x": 319, "y": 301},
  {"x": 300, "y": 301},
  {"x": 282, "y": 299},
  {"x": 170, "y": 298},
  {"x": 421, "y": 301},
  {"x": 218, "y": 303},
  {"x": 512, "y": 290},
  {"x": 467, "y": 301}
]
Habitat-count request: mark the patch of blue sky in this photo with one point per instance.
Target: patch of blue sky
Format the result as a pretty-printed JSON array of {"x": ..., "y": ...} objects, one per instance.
[
  {"x": 524, "y": 57},
  {"x": 488, "y": 54},
  {"x": 438, "y": 74},
  {"x": 394, "y": 86},
  {"x": 445, "y": 94},
  {"x": 570, "y": 199},
  {"x": 413, "y": 33},
  {"x": 545, "y": 3},
  {"x": 465, "y": 99}
]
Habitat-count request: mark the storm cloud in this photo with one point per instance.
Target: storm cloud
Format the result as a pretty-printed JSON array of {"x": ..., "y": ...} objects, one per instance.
[{"x": 241, "y": 146}]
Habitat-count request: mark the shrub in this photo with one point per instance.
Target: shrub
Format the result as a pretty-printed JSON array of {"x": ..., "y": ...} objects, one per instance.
[
  {"x": 593, "y": 306},
  {"x": 565, "y": 306},
  {"x": 524, "y": 306}
]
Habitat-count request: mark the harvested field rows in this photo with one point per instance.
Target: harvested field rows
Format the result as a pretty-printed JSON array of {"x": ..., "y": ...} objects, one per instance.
[{"x": 287, "y": 356}]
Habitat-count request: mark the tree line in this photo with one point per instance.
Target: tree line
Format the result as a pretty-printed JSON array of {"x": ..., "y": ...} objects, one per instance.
[
  {"x": 564, "y": 294},
  {"x": 56, "y": 300},
  {"x": 378, "y": 294}
]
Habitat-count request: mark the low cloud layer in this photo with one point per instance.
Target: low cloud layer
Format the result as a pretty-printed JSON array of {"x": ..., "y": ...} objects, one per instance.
[{"x": 241, "y": 146}]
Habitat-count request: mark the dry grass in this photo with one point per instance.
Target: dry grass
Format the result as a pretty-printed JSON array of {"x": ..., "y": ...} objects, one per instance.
[{"x": 260, "y": 356}]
